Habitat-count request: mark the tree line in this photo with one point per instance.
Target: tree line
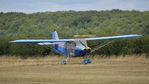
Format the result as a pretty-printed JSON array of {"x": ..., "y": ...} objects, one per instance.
[{"x": 14, "y": 25}]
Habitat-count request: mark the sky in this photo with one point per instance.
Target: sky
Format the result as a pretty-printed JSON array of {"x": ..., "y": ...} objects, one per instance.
[{"x": 32, "y": 6}]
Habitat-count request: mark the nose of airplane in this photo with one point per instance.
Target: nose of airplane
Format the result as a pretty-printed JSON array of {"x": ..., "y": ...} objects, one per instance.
[{"x": 87, "y": 50}]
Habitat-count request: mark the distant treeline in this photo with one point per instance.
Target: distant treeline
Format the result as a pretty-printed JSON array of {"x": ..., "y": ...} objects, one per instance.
[{"x": 15, "y": 25}]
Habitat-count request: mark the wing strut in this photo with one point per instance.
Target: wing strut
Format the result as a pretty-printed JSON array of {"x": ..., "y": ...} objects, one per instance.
[{"x": 100, "y": 46}]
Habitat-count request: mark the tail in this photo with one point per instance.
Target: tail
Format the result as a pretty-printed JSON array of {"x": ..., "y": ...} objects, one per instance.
[
  {"x": 55, "y": 35},
  {"x": 58, "y": 46}
]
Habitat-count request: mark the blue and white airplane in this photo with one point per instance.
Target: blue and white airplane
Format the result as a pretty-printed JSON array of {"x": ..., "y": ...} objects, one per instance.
[{"x": 73, "y": 47}]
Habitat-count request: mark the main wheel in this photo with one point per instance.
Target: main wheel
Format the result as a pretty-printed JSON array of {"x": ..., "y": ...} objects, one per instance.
[
  {"x": 64, "y": 62},
  {"x": 85, "y": 61},
  {"x": 89, "y": 61}
]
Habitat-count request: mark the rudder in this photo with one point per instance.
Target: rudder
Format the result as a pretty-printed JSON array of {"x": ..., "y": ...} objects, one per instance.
[{"x": 55, "y": 35}]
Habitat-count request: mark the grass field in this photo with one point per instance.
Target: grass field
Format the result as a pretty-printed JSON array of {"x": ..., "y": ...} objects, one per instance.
[{"x": 48, "y": 70}]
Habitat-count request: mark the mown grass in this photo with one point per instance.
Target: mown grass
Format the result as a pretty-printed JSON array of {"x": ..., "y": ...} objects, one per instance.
[{"x": 48, "y": 70}]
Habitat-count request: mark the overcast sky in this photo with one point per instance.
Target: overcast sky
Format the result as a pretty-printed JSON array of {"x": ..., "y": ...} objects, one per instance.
[{"x": 31, "y": 6}]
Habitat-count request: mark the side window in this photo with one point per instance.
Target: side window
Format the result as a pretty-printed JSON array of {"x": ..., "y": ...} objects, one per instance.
[{"x": 70, "y": 45}]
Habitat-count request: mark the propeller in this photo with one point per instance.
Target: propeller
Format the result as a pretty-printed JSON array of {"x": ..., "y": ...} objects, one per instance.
[{"x": 87, "y": 49}]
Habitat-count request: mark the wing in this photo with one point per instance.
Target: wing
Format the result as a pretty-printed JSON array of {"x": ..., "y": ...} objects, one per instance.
[
  {"x": 114, "y": 37},
  {"x": 41, "y": 41},
  {"x": 48, "y": 41}
]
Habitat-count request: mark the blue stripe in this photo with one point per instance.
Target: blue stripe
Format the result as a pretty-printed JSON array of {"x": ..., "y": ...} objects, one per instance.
[
  {"x": 79, "y": 52},
  {"x": 61, "y": 50},
  {"x": 53, "y": 35}
]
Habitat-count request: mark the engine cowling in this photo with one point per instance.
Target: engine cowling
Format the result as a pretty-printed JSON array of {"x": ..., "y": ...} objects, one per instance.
[{"x": 87, "y": 50}]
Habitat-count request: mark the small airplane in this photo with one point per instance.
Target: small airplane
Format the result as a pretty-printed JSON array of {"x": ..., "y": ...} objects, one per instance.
[{"x": 74, "y": 47}]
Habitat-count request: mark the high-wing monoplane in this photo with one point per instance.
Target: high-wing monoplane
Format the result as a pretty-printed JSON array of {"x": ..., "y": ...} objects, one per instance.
[{"x": 74, "y": 47}]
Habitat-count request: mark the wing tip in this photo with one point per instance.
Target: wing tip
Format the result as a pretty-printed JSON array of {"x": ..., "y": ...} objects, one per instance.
[
  {"x": 12, "y": 41},
  {"x": 139, "y": 35}
]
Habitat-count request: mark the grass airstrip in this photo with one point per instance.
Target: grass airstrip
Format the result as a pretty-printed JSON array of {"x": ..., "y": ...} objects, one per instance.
[{"x": 48, "y": 70}]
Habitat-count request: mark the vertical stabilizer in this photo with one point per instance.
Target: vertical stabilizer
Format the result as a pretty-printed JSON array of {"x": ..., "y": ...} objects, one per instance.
[
  {"x": 59, "y": 46},
  {"x": 55, "y": 35}
]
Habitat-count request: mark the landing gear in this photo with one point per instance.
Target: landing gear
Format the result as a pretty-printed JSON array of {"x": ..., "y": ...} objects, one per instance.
[
  {"x": 64, "y": 62},
  {"x": 87, "y": 61}
]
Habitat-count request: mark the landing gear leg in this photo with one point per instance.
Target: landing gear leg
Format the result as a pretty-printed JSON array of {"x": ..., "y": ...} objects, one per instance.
[
  {"x": 64, "y": 62},
  {"x": 87, "y": 60}
]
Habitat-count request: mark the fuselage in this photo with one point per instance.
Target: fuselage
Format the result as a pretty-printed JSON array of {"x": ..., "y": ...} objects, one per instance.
[{"x": 70, "y": 49}]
